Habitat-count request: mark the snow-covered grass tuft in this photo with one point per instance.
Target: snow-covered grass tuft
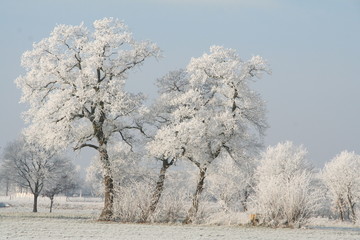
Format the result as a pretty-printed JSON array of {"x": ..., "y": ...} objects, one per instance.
[
  {"x": 334, "y": 223},
  {"x": 228, "y": 218}
]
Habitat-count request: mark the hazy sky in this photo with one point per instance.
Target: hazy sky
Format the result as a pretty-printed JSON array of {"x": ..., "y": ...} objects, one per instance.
[{"x": 313, "y": 47}]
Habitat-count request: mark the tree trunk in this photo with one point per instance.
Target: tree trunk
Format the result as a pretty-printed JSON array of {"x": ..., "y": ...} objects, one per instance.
[
  {"x": 35, "y": 202},
  {"x": 341, "y": 215},
  {"x": 107, "y": 212},
  {"x": 196, "y": 197},
  {"x": 352, "y": 209},
  {"x": 159, "y": 188},
  {"x": 51, "y": 203},
  {"x": 244, "y": 201},
  {"x": 7, "y": 187},
  {"x": 340, "y": 206}
]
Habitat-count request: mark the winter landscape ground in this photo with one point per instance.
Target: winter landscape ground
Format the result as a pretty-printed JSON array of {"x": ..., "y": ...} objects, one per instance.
[{"x": 76, "y": 219}]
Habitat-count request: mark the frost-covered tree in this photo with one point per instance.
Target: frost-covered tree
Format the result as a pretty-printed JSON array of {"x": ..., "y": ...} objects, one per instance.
[
  {"x": 30, "y": 166},
  {"x": 217, "y": 113},
  {"x": 284, "y": 191},
  {"x": 74, "y": 85},
  {"x": 342, "y": 177},
  {"x": 62, "y": 179}
]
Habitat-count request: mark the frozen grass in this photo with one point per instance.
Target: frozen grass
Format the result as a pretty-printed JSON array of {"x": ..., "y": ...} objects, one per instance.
[
  {"x": 70, "y": 228},
  {"x": 21, "y": 205},
  {"x": 77, "y": 220}
]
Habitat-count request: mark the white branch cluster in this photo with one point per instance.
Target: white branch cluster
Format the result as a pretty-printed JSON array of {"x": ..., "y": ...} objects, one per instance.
[
  {"x": 211, "y": 108},
  {"x": 285, "y": 193},
  {"x": 75, "y": 81}
]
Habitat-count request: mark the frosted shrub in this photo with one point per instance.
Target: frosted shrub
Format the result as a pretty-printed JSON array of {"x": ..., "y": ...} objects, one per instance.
[
  {"x": 230, "y": 184},
  {"x": 176, "y": 197},
  {"x": 230, "y": 187},
  {"x": 172, "y": 206},
  {"x": 132, "y": 202},
  {"x": 341, "y": 177},
  {"x": 284, "y": 191},
  {"x": 133, "y": 183}
]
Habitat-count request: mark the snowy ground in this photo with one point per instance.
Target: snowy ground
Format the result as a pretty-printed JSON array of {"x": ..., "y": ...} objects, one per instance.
[{"x": 77, "y": 220}]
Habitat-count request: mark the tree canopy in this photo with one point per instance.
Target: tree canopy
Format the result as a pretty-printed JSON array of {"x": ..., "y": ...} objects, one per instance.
[{"x": 74, "y": 84}]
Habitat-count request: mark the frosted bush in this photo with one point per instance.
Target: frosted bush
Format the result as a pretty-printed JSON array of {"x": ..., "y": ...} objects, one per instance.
[
  {"x": 176, "y": 197},
  {"x": 230, "y": 184},
  {"x": 172, "y": 206},
  {"x": 132, "y": 202},
  {"x": 341, "y": 177},
  {"x": 285, "y": 195}
]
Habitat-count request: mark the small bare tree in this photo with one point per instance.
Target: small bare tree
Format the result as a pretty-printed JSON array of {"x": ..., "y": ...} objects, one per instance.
[
  {"x": 30, "y": 166},
  {"x": 64, "y": 178}
]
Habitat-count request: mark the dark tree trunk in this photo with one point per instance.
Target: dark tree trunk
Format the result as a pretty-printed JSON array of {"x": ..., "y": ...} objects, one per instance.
[
  {"x": 51, "y": 202},
  {"x": 35, "y": 202},
  {"x": 159, "y": 187},
  {"x": 341, "y": 211},
  {"x": 196, "y": 197},
  {"x": 244, "y": 202},
  {"x": 352, "y": 209},
  {"x": 7, "y": 187},
  {"x": 341, "y": 215},
  {"x": 107, "y": 212}
]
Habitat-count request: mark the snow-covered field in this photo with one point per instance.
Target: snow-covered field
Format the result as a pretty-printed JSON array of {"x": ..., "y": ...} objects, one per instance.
[{"x": 77, "y": 220}]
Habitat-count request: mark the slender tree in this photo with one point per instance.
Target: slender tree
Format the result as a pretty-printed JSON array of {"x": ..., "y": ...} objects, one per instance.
[
  {"x": 74, "y": 85},
  {"x": 63, "y": 179},
  {"x": 171, "y": 85}
]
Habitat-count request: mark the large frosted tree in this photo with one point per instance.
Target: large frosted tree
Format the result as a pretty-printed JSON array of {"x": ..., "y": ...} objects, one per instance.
[
  {"x": 217, "y": 114},
  {"x": 74, "y": 85}
]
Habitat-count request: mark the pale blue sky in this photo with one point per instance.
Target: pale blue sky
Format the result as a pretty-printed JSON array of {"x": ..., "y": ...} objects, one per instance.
[{"x": 313, "y": 95}]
